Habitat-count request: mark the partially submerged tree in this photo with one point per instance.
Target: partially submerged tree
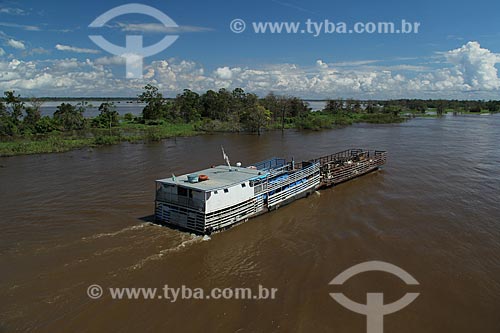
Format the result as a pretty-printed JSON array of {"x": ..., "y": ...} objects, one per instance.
[
  {"x": 108, "y": 116},
  {"x": 155, "y": 103},
  {"x": 69, "y": 117}
]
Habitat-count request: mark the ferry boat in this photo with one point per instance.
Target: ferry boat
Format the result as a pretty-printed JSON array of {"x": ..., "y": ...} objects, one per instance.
[{"x": 221, "y": 196}]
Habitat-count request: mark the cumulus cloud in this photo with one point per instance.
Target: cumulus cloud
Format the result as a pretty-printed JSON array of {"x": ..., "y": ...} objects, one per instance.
[
  {"x": 321, "y": 64},
  {"x": 17, "y": 44},
  {"x": 476, "y": 66},
  {"x": 75, "y": 49},
  {"x": 226, "y": 73},
  {"x": 466, "y": 72}
]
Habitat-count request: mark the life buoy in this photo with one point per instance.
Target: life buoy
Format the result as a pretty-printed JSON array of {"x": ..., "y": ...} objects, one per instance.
[{"x": 202, "y": 178}]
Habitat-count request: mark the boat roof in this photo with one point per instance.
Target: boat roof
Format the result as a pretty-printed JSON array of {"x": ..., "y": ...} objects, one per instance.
[{"x": 218, "y": 177}]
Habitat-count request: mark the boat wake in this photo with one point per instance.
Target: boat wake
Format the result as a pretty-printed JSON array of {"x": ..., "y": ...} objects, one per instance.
[
  {"x": 186, "y": 242},
  {"x": 116, "y": 233}
]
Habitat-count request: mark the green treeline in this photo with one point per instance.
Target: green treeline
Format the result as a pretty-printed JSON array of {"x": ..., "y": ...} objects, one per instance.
[{"x": 24, "y": 130}]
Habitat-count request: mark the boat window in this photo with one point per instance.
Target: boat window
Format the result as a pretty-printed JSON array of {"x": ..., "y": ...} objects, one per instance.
[
  {"x": 215, "y": 192},
  {"x": 226, "y": 190},
  {"x": 243, "y": 185}
]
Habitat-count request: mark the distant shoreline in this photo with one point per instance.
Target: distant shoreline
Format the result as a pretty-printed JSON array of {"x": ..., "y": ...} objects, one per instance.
[
  {"x": 58, "y": 124},
  {"x": 126, "y": 132}
]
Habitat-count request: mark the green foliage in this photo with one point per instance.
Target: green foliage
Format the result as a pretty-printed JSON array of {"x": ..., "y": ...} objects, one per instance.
[
  {"x": 334, "y": 106},
  {"x": 14, "y": 105},
  {"x": 46, "y": 124},
  {"x": 106, "y": 140},
  {"x": 108, "y": 116},
  {"x": 314, "y": 121},
  {"x": 8, "y": 127},
  {"x": 50, "y": 144},
  {"x": 33, "y": 116},
  {"x": 128, "y": 116},
  {"x": 381, "y": 118},
  {"x": 256, "y": 118},
  {"x": 23, "y": 130},
  {"x": 69, "y": 117},
  {"x": 153, "y": 134},
  {"x": 188, "y": 106},
  {"x": 209, "y": 125},
  {"x": 11, "y": 110},
  {"x": 155, "y": 103}
]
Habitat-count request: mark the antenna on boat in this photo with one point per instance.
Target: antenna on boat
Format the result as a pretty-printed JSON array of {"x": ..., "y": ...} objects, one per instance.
[{"x": 226, "y": 158}]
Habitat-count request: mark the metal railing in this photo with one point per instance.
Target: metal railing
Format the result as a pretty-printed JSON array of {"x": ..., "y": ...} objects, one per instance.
[
  {"x": 345, "y": 165},
  {"x": 270, "y": 164},
  {"x": 180, "y": 200},
  {"x": 293, "y": 177}
]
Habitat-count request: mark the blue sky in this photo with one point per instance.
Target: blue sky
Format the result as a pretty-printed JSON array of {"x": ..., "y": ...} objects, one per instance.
[{"x": 45, "y": 49}]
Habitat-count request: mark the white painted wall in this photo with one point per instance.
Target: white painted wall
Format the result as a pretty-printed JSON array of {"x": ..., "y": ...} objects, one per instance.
[{"x": 236, "y": 195}]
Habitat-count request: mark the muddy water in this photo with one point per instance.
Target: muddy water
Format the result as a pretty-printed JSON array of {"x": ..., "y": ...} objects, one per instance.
[{"x": 80, "y": 218}]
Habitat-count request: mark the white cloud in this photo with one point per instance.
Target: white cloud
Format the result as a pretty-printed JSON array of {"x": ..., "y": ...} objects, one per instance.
[
  {"x": 159, "y": 28},
  {"x": 20, "y": 26},
  {"x": 321, "y": 64},
  {"x": 76, "y": 49},
  {"x": 114, "y": 60},
  {"x": 467, "y": 72},
  {"x": 17, "y": 44},
  {"x": 2, "y": 52},
  {"x": 226, "y": 73},
  {"x": 11, "y": 10},
  {"x": 476, "y": 66},
  {"x": 355, "y": 63}
]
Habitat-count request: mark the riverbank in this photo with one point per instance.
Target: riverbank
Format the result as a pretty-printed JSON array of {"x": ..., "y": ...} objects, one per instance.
[
  {"x": 57, "y": 142},
  {"x": 131, "y": 131}
]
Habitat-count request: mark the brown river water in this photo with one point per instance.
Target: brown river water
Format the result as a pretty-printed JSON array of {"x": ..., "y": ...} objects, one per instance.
[{"x": 75, "y": 219}]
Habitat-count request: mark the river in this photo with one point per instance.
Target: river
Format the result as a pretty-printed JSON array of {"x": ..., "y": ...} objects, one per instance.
[{"x": 79, "y": 218}]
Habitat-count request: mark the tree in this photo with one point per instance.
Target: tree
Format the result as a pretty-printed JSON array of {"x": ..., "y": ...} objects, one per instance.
[
  {"x": 69, "y": 116},
  {"x": 188, "y": 106},
  {"x": 296, "y": 107},
  {"x": 440, "y": 108},
  {"x": 225, "y": 104},
  {"x": 33, "y": 114},
  {"x": 7, "y": 126},
  {"x": 257, "y": 117},
  {"x": 14, "y": 105},
  {"x": 155, "y": 103},
  {"x": 108, "y": 116},
  {"x": 210, "y": 104},
  {"x": 392, "y": 108},
  {"x": 271, "y": 103},
  {"x": 334, "y": 106}
]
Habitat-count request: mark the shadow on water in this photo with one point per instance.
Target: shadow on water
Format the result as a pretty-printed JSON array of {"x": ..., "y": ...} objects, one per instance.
[{"x": 151, "y": 219}]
